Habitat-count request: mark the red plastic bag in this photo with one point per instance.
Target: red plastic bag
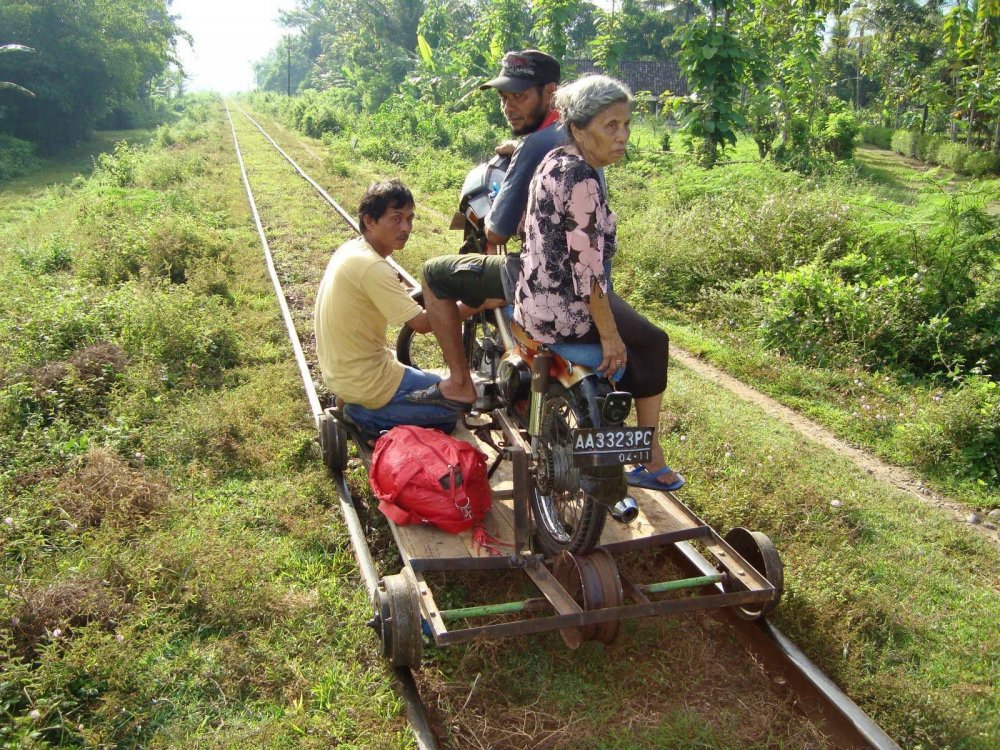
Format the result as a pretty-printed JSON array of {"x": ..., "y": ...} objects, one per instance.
[{"x": 421, "y": 475}]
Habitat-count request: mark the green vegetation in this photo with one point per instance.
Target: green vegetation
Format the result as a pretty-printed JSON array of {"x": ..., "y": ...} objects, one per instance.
[
  {"x": 744, "y": 264},
  {"x": 853, "y": 567},
  {"x": 801, "y": 79},
  {"x": 87, "y": 64},
  {"x": 16, "y": 157},
  {"x": 880, "y": 312},
  {"x": 175, "y": 573},
  {"x": 172, "y": 573},
  {"x": 850, "y": 277}
]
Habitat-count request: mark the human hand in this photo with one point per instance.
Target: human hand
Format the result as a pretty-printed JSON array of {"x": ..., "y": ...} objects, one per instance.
[
  {"x": 614, "y": 356},
  {"x": 506, "y": 148}
]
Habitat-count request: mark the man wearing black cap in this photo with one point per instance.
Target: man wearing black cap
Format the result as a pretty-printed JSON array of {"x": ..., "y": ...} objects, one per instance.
[{"x": 526, "y": 83}]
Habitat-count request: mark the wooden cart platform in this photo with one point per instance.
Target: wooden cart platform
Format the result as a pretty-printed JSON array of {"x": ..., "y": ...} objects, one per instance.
[{"x": 582, "y": 596}]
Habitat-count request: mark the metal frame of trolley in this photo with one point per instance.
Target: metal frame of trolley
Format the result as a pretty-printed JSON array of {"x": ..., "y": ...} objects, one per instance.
[{"x": 585, "y": 597}]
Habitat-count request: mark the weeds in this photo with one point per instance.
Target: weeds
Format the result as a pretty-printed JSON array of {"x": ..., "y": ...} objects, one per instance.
[
  {"x": 235, "y": 617},
  {"x": 106, "y": 490},
  {"x": 154, "y": 592}
]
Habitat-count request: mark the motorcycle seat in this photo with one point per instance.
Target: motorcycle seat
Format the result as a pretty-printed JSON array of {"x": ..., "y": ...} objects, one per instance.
[{"x": 585, "y": 355}]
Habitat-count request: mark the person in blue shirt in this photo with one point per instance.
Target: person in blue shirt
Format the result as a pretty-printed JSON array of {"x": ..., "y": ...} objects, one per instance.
[{"x": 457, "y": 286}]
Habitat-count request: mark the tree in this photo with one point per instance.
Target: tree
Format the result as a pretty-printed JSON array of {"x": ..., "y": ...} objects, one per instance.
[
  {"x": 92, "y": 56},
  {"x": 284, "y": 67},
  {"x": 552, "y": 24},
  {"x": 712, "y": 58}
]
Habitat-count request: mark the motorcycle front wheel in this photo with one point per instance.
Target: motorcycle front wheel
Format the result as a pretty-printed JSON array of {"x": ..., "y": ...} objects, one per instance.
[
  {"x": 567, "y": 515},
  {"x": 479, "y": 340}
]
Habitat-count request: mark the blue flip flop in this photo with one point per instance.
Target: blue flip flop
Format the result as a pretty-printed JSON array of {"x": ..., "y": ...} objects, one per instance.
[{"x": 640, "y": 476}]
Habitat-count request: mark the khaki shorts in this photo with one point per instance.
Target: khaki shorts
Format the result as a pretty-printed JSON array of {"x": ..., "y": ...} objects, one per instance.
[{"x": 468, "y": 278}]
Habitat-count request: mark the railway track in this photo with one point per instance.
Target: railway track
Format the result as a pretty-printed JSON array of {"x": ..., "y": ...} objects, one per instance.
[{"x": 839, "y": 718}]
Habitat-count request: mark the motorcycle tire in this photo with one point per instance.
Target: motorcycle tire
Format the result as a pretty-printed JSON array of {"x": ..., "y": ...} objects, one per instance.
[
  {"x": 422, "y": 351},
  {"x": 566, "y": 512}
]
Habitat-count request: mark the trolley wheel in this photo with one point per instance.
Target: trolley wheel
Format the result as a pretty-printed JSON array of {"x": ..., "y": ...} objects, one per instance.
[
  {"x": 333, "y": 442},
  {"x": 757, "y": 549},
  {"x": 593, "y": 582},
  {"x": 397, "y": 620}
]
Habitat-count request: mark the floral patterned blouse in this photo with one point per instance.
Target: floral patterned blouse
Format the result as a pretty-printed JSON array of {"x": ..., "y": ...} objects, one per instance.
[{"x": 569, "y": 242}]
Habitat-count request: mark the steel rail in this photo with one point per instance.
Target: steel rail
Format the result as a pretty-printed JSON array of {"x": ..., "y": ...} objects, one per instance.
[
  {"x": 412, "y": 282},
  {"x": 820, "y": 698},
  {"x": 404, "y": 683}
]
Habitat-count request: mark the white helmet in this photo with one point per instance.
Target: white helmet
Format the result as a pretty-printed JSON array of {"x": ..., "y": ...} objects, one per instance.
[{"x": 478, "y": 191}]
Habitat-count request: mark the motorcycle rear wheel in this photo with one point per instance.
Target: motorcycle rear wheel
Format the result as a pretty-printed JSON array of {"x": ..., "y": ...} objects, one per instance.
[{"x": 567, "y": 517}]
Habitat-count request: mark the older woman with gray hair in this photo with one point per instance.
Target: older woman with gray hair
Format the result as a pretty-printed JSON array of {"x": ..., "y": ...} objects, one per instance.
[{"x": 563, "y": 292}]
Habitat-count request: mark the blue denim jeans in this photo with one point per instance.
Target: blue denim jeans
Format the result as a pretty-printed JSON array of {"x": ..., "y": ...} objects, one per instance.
[{"x": 400, "y": 411}]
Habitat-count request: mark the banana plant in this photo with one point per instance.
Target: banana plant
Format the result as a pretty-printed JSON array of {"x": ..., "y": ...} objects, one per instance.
[{"x": 8, "y": 84}]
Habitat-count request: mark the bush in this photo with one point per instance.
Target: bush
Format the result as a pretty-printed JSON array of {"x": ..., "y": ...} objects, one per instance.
[
  {"x": 189, "y": 335},
  {"x": 120, "y": 167},
  {"x": 175, "y": 242},
  {"x": 141, "y": 233},
  {"x": 76, "y": 389},
  {"x": 877, "y": 135},
  {"x": 961, "y": 428},
  {"x": 839, "y": 133},
  {"x": 952, "y": 155},
  {"x": 17, "y": 157},
  {"x": 51, "y": 254},
  {"x": 316, "y": 113},
  {"x": 927, "y": 305},
  {"x": 165, "y": 169},
  {"x": 905, "y": 143},
  {"x": 980, "y": 163},
  {"x": 49, "y": 322},
  {"x": 117, "y": 223},
  {"x": 927, "y": 147},
  {"x": 732, "y": 233}
]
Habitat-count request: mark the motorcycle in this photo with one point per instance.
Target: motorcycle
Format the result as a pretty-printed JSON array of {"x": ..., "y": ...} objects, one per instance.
[{"x": 572, "y": 417}]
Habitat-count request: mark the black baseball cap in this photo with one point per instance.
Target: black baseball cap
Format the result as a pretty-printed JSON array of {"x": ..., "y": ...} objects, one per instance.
[{"x": 522, "y": 70}]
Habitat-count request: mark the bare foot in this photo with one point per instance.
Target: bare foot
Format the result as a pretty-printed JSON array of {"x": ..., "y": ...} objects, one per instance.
[{"x": 464, "y": 394}]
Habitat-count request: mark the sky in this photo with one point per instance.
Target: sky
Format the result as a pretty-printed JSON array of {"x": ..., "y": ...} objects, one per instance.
[{"x": 229, "y": 36}]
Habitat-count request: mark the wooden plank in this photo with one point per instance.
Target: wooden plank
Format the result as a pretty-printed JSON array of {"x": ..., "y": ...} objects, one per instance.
[
  {"x": 422, "y": 542},
  {"x": 655, "y": 517},
  {"x": 657, "y": 514}
]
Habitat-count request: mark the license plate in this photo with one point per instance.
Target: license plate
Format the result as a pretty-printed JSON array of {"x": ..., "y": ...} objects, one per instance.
[{"x": 612, "y": 446}]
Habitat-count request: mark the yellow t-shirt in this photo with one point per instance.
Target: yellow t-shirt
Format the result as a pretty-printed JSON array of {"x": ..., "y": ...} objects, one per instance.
[{"x": 359, "y": 296}]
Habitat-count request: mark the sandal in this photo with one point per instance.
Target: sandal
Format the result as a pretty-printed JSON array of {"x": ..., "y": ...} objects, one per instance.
[
  {"x": 432, "y": 396},
  {"x": 640, "y": 476}
]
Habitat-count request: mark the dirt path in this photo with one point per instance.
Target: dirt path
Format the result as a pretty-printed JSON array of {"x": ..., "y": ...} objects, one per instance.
[
  {"x": 892, "y": 168},
  {"x": 894, "y": 475}
]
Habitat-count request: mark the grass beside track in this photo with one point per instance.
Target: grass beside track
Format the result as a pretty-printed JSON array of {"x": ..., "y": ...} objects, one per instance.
[
  {"x": 169, "y": 519},
  {"x": 174, "y": 574}
]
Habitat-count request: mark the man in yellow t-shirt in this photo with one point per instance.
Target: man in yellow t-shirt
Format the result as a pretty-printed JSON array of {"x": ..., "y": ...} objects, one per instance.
[{"x": 361, "y": 295}]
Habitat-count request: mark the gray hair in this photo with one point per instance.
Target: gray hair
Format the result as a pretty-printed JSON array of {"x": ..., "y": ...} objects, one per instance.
[{"x": 580, "y": 101}]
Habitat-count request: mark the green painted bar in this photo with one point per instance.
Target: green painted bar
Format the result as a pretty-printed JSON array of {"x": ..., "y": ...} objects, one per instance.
[
  {"x": 684, "y": 583},
  {"x": 483, "y": 611},
  {"x": 507, "y": 608}
]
